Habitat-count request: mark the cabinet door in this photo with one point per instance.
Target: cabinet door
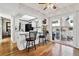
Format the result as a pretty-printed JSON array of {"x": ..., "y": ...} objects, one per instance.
[{"x": 0, "y": 29}]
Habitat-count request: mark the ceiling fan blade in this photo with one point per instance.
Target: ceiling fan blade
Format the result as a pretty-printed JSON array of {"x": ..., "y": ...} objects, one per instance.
[
  {"x": 41, "y": 3},
  {"x": 45, "y": 8},
  {"x": 54, "y": 7}
]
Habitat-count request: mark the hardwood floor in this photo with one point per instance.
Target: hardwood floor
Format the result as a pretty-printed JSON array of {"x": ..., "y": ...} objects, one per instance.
[{"x": 7, "y": 48}]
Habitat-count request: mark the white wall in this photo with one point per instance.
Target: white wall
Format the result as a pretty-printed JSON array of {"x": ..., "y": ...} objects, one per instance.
[
  {"x": 76, "y": 30},
  {"x": 50, "y": 28},
  {"x": 0, "y": 30}
]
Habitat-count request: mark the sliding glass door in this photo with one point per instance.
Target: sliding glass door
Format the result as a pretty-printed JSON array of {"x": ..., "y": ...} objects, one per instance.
[
  {"x": 62, "y": 29},
  {"x": 67, "y": 29},
  {"x": 56, "y": 30}
]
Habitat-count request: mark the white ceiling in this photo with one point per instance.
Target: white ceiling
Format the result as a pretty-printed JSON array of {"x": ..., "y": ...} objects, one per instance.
[
  {"x": 35, "y": 9},
  {"x": 8, "y": 8},
  {"x": 48, "y": 12}
]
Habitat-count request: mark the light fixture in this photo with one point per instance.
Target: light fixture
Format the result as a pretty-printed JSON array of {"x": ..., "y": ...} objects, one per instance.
[
  {"x": 71, "y": 21},
  {"x": 48, "y": 5},
  {"x": 67, "y": 18}
]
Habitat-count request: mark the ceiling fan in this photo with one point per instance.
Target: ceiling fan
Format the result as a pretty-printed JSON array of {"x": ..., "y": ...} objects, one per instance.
[{"x": 48, "y": 5}]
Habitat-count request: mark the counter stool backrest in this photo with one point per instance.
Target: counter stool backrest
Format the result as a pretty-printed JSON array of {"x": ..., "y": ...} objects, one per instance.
[{"x": 32, "y": 35}]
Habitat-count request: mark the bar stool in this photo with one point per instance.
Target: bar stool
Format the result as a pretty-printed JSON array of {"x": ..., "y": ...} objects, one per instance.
[
  {"x": 43, "y": 37},
  {"x": 31, "y": 40}
]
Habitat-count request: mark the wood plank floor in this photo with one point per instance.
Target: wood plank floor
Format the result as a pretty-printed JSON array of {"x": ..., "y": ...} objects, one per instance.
[{"x": 7, "y": 48}]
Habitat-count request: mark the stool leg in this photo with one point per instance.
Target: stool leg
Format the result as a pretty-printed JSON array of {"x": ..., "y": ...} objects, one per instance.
[
  {"x": 28, "y": 45},
  {"x": 34, "y": 45},
  {"x": 39, "y": 40},
  {"x": 43, "y": 40}
]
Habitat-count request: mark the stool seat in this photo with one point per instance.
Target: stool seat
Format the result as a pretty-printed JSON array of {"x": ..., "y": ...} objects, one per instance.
[
  {"x": 29, "y": 39},
  {"x": 41, "y": 36}
]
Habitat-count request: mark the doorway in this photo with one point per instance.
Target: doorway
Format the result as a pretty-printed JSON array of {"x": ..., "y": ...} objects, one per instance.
[{"x": 5, "y": 27}]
